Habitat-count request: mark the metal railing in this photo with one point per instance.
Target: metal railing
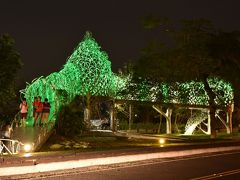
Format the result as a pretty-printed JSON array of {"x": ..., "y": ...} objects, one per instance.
[{"x": 10, "y": 146}]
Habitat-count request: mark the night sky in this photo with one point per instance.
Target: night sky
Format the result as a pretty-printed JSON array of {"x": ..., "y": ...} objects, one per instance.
[{"x": 46, "y": 32}]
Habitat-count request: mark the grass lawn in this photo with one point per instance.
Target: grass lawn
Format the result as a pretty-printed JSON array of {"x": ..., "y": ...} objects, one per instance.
[{"x": 95, "y": 141}]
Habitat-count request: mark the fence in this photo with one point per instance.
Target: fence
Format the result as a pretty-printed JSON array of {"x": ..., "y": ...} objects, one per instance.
[{"x": 9, "y": 146}]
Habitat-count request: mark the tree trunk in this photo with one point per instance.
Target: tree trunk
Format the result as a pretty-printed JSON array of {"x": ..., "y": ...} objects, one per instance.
[
  {"x": 130, "y": 118},
  {"x": 87, "y": 111},
  {"x": 113, "y": 124},
  {"x": 167, "y": 115},
  {"x": 160, "y": 122},
  {"x": 236, "y": 109},
  {"x": 168, "y": 121},
  {"x": 212, "y": 107}
]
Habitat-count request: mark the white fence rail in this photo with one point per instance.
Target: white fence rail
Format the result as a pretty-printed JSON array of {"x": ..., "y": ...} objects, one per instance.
[{"x": 10, "y": 146}]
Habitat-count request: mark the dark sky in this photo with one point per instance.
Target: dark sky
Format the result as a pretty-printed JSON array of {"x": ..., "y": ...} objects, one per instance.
[{"x": 47, "y": 31}]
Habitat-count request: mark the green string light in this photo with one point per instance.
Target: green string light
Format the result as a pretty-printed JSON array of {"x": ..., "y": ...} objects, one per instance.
[
  {"x": 88, "y": 71},
  {"x": 191, "y": 93}
]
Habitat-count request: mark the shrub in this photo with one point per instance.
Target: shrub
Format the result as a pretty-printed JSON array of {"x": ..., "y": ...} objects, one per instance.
[{"x": 70, "y": 118}]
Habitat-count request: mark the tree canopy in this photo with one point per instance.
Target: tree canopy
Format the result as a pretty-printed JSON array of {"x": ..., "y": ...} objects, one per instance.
[
  {"x": 196, "y": 55},
  {"x": 86, "y": 73},
  {"x": 10, "y": 63}
]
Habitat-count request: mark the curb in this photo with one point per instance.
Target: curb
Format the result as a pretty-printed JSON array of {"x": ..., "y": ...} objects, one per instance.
[{"x": 33, "y": 167}]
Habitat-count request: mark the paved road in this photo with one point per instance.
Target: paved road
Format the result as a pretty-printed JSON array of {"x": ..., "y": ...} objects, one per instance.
[
  {"x": 220, "y": 166},
  {"x": 157, "y": 159}
]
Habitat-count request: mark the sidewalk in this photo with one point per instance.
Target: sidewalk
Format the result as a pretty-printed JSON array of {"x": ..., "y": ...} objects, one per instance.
[{"x": 70, "y": 160}]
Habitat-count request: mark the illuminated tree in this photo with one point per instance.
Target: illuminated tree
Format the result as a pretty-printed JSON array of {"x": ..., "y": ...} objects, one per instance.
[
  {"x": 225, "y": 47},
  {"x": 87, "y": 73},
  {"x": 188, "y": 93},
  {"x": 189, "y": 60},
  {"x": 92, "y": 71}
]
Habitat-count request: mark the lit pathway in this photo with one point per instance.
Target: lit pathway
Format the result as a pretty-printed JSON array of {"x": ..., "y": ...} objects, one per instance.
[
  {"x": 35, "y": 136},
  {"x": 78, "y": 163},
  {"x": 26, "y": 135}
]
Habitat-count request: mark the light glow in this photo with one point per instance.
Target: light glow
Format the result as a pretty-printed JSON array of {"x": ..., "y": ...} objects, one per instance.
[
  {"x": 161, "y": 141},
  {"x": 27, "y": 155},
  {"x": 27, "y": 147}
]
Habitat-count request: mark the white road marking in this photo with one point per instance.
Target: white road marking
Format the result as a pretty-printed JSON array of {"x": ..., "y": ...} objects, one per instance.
[{"x": 53, "y": 166}]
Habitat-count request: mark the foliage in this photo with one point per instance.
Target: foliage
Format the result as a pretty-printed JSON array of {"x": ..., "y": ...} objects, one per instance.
[
  {"x": 167, "y": 75},
  {"x": 225, "y": 47},
  {"x": 70, "y": 118},
  {"x": 92, "y": 68},
  {"x": 189, "y": 92},
  {"x": 200, "y": 53},
  {"x": 10, "y": 63},
  {"x": 87, "y": 71},
  {"x": 190, "y": 59}
]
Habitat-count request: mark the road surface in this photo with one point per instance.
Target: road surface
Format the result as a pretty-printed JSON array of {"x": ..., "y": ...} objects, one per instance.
[
  {"x": 211, "y": 166},
  {"x": 220, "y": 166}
]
